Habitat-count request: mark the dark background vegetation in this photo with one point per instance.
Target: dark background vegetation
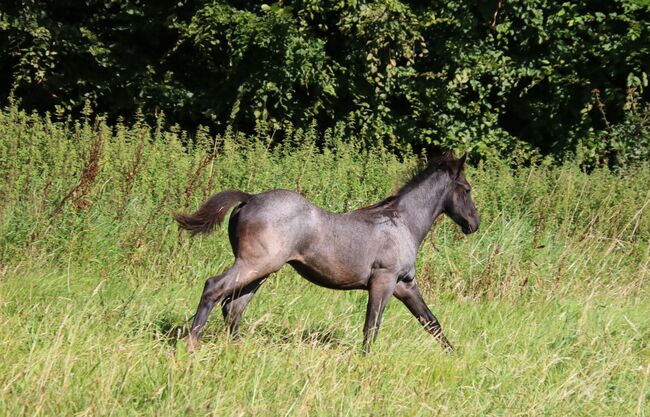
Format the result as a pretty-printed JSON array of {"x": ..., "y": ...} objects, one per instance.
[{"x": 501, "y": 77}]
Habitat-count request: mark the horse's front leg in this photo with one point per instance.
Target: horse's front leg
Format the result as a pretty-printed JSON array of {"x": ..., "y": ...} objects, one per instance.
[
  {"x": 380, "y": 289},
  {"x": 409, "y": 294}
]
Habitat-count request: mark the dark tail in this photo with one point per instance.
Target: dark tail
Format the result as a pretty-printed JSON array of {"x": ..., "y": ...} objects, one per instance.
[{"x": 212, "y": 212}]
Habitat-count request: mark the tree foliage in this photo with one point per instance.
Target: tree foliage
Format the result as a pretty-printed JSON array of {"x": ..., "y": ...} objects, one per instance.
[{"x": 503, "y": 76}]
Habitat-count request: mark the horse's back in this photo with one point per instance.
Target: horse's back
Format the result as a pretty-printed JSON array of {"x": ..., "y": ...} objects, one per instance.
[{"x": 277, "y": 205}]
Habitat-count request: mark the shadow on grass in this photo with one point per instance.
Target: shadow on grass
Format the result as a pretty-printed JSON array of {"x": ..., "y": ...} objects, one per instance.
[
  {"x": 173, "y": 330},
  {"x": 315, "y": 335}
]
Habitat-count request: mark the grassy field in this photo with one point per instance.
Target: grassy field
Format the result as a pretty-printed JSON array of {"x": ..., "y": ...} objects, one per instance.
[{"x": 547, "y": 304}]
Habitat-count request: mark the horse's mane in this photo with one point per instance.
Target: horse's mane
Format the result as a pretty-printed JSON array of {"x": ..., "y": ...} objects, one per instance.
[{"x": 389, "y": 204}]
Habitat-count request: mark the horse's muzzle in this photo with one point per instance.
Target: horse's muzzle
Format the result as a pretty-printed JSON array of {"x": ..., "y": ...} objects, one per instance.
[{"x": 471, "y": 227}]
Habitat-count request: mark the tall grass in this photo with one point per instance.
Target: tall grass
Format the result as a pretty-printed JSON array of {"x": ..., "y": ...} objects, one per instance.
[{"x": 547, "y": 303}]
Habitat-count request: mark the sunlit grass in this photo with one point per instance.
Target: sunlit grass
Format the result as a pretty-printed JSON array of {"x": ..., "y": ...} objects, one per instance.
[{"x": 78, "y": 345}]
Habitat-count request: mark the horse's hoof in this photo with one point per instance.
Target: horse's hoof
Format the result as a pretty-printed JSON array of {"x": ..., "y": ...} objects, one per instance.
[{"x": 192, "y": 344}]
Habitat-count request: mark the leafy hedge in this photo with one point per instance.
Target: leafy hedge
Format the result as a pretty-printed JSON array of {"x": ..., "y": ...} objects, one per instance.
[{"x": 502, "y": 76}]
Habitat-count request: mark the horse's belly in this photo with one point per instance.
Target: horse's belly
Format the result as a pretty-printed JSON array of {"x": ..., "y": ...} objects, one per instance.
[{"x": 330, "y": 276}]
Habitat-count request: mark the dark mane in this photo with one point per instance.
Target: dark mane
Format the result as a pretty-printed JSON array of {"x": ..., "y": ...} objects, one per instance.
[
  {"x": 437, "y": 163},
  {"x": 389, "y": 204}
]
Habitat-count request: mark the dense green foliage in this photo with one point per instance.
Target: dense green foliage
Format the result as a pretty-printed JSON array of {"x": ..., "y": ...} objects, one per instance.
[
  {"x": 505, "y": 76},
  {"x": 547, "y": 303}
]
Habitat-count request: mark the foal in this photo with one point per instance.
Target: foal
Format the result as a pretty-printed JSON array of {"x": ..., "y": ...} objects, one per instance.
[{"x": 373, "y": 248}]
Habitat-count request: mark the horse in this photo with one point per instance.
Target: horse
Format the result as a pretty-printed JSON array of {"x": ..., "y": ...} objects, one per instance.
[{"x": 373, "y": 248}]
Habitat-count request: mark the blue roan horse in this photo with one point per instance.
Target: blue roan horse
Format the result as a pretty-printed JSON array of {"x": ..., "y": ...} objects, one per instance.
[{"x": 373, "y": 248}]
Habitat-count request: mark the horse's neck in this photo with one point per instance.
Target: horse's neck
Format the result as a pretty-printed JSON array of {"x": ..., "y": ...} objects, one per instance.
[{"x": 421, "y": 205}]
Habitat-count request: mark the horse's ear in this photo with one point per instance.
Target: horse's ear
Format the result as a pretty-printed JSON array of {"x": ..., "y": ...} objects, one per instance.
[{"x": 461, "y": 165}]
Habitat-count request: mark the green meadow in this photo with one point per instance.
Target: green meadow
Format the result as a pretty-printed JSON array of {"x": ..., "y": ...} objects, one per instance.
[{"x": 547, "y": 304}]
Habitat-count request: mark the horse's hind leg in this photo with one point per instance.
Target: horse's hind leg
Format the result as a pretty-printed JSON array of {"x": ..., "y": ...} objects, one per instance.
[
  {"x": 218, "y": 287},
  {"x": 234, "y": 305},
  {"x": 409, "y": 294}
]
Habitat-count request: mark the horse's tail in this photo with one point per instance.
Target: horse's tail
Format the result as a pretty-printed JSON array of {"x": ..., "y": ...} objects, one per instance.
[{"x": 212, "y": 212}]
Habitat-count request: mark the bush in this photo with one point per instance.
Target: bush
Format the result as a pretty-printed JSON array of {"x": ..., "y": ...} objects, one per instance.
[{"x": 494, "y": 78}]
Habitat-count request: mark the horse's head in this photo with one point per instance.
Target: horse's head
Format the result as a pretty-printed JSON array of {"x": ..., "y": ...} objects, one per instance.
[{"x": 458, "y": 203}]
